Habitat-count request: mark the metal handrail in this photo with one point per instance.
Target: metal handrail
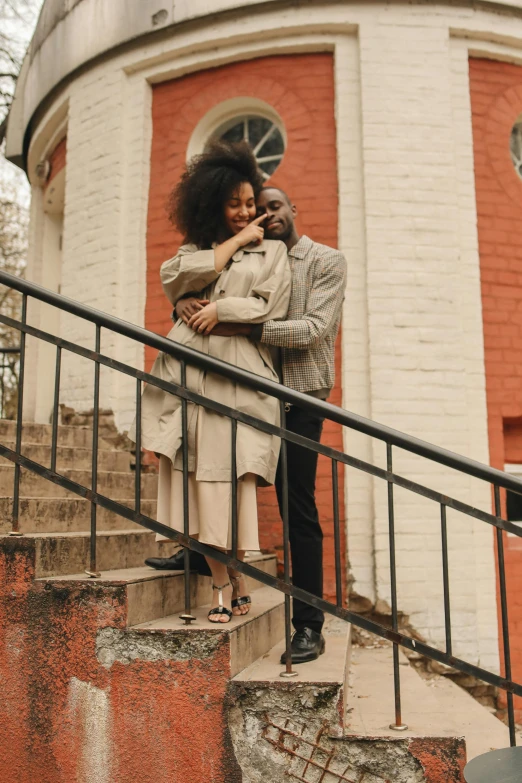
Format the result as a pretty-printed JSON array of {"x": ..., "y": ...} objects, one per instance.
[
  {"x": 322, "y": 408},
  {"x": 389, "y": 436}
]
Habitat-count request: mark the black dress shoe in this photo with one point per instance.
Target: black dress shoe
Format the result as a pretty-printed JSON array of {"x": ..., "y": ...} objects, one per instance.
[
  {"x": 307, "y": 645},
  {"x": 177, "y": 563}
]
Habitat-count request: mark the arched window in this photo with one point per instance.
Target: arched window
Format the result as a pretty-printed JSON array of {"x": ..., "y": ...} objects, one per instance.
[
  {"x": 263, "y": 135},
  {"x": 244, "y": 118}
]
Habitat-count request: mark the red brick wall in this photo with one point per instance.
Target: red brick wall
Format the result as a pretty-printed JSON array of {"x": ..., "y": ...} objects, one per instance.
[
  {"x": 301, "y": 89},
  {"x": 57, "y": 159},
  {"x": 496, "y": 99}
]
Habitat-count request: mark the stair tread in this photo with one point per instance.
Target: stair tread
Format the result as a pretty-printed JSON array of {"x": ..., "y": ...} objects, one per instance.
[
  {"x": 435, "y": 707},
  {"x": 116, "y": 576},
  {"x": 86, "y": 533},
  {"x": 72, "y": 499},
  {"x": 134, "y": 575},
  {"x": 266, "y": 599},
  {"x": 328, "y": 668},
  {"x": 10, "y": 443},
  {"x": 68, "y": 471}
]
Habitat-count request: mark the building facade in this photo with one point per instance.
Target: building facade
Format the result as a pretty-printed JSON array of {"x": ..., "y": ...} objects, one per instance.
[{"x": 395, "y": 128}]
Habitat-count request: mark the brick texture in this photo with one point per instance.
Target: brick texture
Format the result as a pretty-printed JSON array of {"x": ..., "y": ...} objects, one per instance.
[
  {"x": 496, "y": 96},
  {"x": 301, "y": 89}
]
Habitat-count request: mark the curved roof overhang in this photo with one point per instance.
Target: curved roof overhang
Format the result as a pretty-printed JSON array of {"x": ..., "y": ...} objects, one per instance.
[{"x": 72, "y": 35}]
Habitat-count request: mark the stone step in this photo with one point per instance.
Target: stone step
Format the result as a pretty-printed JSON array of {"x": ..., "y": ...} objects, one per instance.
[
  {"x": 154, "y": 594},
  {"x": 78, "y": 457},
  {"x": 247, "y": 637},
  {"x": 68, "y": 553},
  {"x": 436, "y": 711},
  {"x": 42, "y": 433},
  {"x": 270, "y": 714},
  {"x": 66, "y": 515},
  {"x": 110, "y": 483}
]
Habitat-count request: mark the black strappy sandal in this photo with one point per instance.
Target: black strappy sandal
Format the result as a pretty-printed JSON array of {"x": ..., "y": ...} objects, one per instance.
[
  {"x": 243, "y": 600},
  {"x": 220, "y": 608}
]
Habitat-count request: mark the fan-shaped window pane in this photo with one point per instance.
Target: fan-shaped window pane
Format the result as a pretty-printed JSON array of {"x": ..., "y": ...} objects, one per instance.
[
  {"x": 263, "y": 135},
  {"x": 234, "y": 134}
]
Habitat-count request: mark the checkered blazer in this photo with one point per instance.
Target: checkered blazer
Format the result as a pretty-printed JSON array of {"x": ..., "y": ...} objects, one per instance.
[{"x": 307, "y": 336}]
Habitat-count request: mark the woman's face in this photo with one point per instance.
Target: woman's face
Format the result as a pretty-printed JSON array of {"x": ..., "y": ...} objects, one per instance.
[{"x": 240, "y": 208}]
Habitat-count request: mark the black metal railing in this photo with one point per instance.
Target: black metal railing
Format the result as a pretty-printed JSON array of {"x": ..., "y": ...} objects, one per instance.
[{"x": 392, "y": 438}]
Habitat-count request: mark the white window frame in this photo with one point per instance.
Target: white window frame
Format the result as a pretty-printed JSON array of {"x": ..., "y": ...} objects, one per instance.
[{"x": 229, "y": 112}]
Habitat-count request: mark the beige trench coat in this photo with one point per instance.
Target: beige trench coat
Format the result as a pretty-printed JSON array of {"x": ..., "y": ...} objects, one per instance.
[{"x": 253, "y": 287}]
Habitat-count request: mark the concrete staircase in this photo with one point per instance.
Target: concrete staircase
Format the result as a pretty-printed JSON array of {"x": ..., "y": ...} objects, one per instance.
[{"x": 102, "y": 681}]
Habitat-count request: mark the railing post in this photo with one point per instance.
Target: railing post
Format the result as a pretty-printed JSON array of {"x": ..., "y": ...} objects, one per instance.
[
  {"x": 337, "y": 534},
  {"x": 288, "y": 672},
  {"x": 15, "y": 529},
  {"x": 398, "y": 725},
  {"x": 445, "y": 578},
  {"x": 505, "y": 620},
  {"x": 92, "y": 571},
  {"x": 137, "y": 469},
  {"x": 233, "y": 471},
  {"x": 56, "y": 407},
  {"x": 187, "y": 616}
]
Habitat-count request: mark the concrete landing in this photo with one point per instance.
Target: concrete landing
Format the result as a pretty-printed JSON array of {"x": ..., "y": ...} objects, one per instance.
[
  {"x": 329, "y": 668},
  {"x": 435, "y": 708}
]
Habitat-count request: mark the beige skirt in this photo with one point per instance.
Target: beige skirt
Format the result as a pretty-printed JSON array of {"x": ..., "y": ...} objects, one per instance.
[{"x": 210, "y": 508}]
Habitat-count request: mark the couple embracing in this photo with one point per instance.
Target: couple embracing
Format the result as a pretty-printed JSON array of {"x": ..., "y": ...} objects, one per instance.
[{"x": 248, "y": 290}]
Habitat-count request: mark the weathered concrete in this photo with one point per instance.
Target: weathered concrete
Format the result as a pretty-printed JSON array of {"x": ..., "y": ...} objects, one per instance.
[
  {"x": 56, "y": 554},
  {"x": 87, "y": 698},
  {"x": 249, "y": 636},
  {"x": 65, "y": 515},
  {"x": 435, "y": 707},
  {"x": 109, "y": 483},
  {"x": 266, "y": 712},
  {"x": 77, "y": 457}
]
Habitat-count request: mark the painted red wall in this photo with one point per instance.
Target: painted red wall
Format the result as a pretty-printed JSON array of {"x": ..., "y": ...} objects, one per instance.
[
  {"x": 57, "y": 159},
  {"x": 496, "y": 99},
  {"x": 301, "y": 89}
]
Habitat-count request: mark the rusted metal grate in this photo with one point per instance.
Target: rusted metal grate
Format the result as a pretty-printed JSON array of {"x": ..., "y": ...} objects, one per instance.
[{"x": 314, "y": 761}]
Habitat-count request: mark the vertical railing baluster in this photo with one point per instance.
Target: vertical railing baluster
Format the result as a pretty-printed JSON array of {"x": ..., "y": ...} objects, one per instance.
[
  {"x": 398, "y": 725},
  {"x": 15, "y": 529},
  {"x": 337, "y": 535},
  {"x": 505, "y": 620},
  {"x": 93, "y": 568},
  {"x": 445, "y": 578},
  {"x": 56, "y": 408},
  {"x": 233, "y": 470},
  {"x": 137, "y": 471},
  {"x": 186, "y": 616},
  {"x": 289, "y": 672}
]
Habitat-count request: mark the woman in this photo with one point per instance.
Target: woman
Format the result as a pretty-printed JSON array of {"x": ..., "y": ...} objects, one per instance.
[{"x": 244, "y": 278}]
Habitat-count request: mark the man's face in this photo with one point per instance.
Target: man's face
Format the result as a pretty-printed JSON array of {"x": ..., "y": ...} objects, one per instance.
[{"x": 279, "y": 223}]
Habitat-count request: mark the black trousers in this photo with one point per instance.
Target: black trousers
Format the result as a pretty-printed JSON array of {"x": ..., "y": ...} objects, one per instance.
[{"x": 306, "y": 536}]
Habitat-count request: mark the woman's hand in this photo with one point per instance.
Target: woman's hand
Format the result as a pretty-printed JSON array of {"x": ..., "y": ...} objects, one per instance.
[
  {"x": 204, "y": 320},
  {"x": 253, "y": 233},
  {"x": 186, "y": 308}
]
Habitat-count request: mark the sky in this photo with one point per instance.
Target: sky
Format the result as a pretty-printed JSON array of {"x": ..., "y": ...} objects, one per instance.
[{"x": 19, "y": 31}]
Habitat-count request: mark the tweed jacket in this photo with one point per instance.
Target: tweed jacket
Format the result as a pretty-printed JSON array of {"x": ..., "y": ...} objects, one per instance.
[{"x": 307, "y": 336}]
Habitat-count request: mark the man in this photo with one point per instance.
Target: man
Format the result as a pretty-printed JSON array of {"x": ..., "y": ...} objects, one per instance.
[{"x": 307, "y": 342}]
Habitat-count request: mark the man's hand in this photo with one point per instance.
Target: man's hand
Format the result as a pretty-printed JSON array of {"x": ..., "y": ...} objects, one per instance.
[
  {"x": 231, "y": 330},
  {"x": 204, "y": 320},
  {"x": 186, "y": 308}
]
